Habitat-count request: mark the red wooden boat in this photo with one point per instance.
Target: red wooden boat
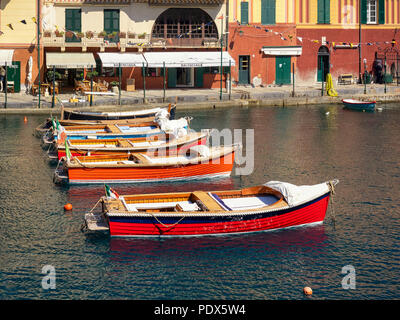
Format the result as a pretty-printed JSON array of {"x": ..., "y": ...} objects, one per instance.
[
  {"x": 274, "y": 205},
  {"x": 199, "y": 162},
  {"x": 156, "y": 144}
]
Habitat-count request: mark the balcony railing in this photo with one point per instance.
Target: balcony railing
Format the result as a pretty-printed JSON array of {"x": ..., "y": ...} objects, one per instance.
[{"x": 122, "y": 40}]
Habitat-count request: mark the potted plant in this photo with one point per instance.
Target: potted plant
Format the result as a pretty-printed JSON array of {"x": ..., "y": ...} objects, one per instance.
[
  {"x": 79, "y": 35},
  {"x": 131, "y": 35},
  {"x": 122, "y": 34},
  {"x": 102, "y": 34},
  {"x": 89, "y": 34},
  {"x": 114, "y": 86},
  {"x": 142, "y": 36},
  {"x": 47, "y": 33},
  {"x": 59, "y": 33}
]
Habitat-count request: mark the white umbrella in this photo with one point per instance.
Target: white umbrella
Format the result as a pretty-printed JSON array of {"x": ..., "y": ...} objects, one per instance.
[{"x": 29, "y": 75}]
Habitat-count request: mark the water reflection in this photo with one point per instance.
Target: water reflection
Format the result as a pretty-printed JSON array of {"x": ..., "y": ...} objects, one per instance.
[{"x": 127, "y": 250}]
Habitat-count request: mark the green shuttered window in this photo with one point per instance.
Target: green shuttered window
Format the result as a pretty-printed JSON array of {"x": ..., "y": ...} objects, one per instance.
[
  {"x": 73, "y": 23},
  {"x": 111, "y": 24},
  {"x": 324, "y": 11},
  {"x": 373, "y": 11},
  {"x": 268, "y": 12},
  {"x": 244, "y": 12}
]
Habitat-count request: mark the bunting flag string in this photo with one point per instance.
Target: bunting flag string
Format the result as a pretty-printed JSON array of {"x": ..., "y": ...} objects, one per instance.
[{"x": 286, "y": 35}]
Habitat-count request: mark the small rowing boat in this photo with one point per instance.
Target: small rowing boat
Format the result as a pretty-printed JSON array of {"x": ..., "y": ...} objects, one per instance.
[
  {"x": 162, "y": 143},
  {"x": 359, "y": 105},
  {"x": 69, "y": 114},
  {"x": 114, "y": 131},
  {"x": 48, "y": 123},
  {"x": 274, "y": 205},
  {"x": 199, "y": 162}
]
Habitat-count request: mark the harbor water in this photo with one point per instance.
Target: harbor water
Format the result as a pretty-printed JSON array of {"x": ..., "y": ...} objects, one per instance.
[{"x": 354, "y": 254}]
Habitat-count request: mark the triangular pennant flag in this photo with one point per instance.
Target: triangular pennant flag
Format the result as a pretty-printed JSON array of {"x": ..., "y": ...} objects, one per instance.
[
  {"x": 67, "y": 151},
  {"x": 1, "y": 32},
  {"x": 300, "y": 39},
  {"x": 10, "y": 26},
  {"x": 23, "y": 21},
  {"x": 34, "y": 19}
]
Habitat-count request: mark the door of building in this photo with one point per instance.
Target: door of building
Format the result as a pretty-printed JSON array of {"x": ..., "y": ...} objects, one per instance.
[
  {"x": 323, "y": 63},
  {"x": 244, "y": 69},
  {"x": 282, "y": 70},
  {"x": 14, "y": 74}
]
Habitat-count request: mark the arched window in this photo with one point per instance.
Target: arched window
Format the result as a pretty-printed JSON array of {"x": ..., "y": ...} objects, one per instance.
[{"x": 184, "y": 23}]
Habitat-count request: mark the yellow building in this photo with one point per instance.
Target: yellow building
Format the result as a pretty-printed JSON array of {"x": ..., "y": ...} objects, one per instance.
[{"x": 18, "y": 40}]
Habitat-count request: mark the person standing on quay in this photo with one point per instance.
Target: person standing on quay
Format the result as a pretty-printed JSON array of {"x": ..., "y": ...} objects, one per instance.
[{"x": 2, "y": 78}]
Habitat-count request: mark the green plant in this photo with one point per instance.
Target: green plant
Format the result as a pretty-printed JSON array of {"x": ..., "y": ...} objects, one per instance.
[
  {"x": 49, "y": 75},
  {"x": 122, "y": 34},
  {"x": 90, "y": 74},
  {"x": 131, "y": 35},
  {"x": 47, "y": 33},
  {"x": 102, "y": 34},
  {"x": 142, "y": 36},
  {"x": 79, "y": 34},
  {"x": 114, "y": 83},
  {"x": 89, "y": 34},
  {"x": 59, "y": 33}
]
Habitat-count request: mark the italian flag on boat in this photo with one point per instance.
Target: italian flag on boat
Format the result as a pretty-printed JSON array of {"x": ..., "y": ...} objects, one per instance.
[{"x": 111, "y": 193}]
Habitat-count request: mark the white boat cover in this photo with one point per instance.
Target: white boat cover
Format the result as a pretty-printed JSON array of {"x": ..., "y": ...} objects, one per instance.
[
  {"x": 295, "y": 195},
  {"x": 172, "y": 126}
]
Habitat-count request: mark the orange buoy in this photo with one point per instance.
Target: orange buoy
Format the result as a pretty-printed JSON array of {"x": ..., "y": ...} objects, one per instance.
[
  {"x": 68, "y": 206},
  {"x": 25, "y": 119},
  {"x": 307, "y": 291}
]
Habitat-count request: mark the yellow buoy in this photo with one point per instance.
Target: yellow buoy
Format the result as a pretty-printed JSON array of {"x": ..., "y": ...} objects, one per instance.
[{"x": 307, "y": 291}]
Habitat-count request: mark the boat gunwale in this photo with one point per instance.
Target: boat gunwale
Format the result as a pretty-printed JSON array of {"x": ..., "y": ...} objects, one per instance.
[
  {"x": 77, "y": 164},
  {"x": 279, "y": 205}
]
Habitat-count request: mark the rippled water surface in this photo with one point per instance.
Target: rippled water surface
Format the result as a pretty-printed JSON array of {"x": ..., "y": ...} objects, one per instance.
[{"x": 298, "y": 145}]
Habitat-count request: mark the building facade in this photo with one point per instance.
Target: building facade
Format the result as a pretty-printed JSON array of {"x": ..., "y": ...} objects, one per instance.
[
  {"x": 274, "y": 40},
  {"x": 18, "y": 41},
  {"x": 156, "y": 43}
]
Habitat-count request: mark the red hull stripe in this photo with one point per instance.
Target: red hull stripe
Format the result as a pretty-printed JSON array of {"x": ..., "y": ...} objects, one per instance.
[{"x": 311, "y": 212}]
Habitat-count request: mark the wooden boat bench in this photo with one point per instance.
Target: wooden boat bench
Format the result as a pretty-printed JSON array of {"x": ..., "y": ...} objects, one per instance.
[
  {"x": 208, "y": 202},
  {"x": 112, "y": 128}
]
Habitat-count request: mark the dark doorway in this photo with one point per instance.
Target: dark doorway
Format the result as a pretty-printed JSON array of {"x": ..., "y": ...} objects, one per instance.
[{"x": 323, "y": 63}]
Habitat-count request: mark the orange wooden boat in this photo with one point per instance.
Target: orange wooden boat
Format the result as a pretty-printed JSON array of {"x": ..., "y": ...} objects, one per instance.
[
  {"x": 199, "y": 162},
  {"x": 163, "y": 143}
]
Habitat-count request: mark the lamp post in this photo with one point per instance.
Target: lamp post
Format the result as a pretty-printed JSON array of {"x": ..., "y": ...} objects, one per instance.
[
  {"x": 222, "y": 46},
  {"x": 359, "y": 41},
  {"x": 38, "y": 47}
]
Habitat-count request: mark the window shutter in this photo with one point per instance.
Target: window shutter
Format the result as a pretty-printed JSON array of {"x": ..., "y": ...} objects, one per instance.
[
  {"x": 324, "y": 11},
  {"x": 244, "y": 12},
  {"x": 381, "y": 8},
  {"x": 268, "y": 9},
  {"x": 363, "y": 11},
  {"x": 327, "y": 8}
]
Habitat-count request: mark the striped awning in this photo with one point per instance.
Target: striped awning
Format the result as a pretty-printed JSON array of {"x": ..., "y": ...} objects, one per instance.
[
  {"x": 125, "y": 59},
  {"x": 188, "y": 59},
  {"x": 70, "y": 60},
  {"x": 6, "y": 56}
]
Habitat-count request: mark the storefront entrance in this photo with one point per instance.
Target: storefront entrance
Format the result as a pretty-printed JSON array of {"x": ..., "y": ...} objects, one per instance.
[{"x": 184, "y": 77}]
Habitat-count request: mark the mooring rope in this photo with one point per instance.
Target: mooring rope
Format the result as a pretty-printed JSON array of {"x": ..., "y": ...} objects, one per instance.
[
  {"x": 331, "y": 186},
  {"x": 165, "y": 225}
]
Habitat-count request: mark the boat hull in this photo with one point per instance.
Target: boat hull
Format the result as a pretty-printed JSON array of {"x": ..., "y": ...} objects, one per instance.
[
  {"x": 76, "y": 115},
  {"x": 359, "y": 105},
  {"x": 219, "y": 167},
  {"x": 312, "y": 212}
]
